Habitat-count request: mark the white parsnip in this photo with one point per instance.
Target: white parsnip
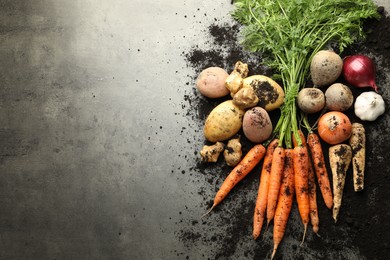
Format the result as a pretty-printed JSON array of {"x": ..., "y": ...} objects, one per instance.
[
  {"x": 357, "y": 142},
  {"x": 340, "y": 157}
]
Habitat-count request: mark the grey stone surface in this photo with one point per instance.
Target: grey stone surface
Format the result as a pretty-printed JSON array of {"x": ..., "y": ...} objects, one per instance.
[
  {"x": 95, "y": 150},
  {"x": 90, "y": 145}
]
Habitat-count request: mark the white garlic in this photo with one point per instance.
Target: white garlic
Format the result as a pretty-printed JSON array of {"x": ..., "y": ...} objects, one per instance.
[{"x": 369, "y": 105}]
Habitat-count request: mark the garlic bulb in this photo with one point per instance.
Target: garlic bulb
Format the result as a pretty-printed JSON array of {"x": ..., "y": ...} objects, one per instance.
[{"x": 369, "y": 105}]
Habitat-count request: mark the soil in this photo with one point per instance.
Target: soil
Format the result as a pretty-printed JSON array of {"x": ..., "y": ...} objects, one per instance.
[{"x": 362, "y": 229}]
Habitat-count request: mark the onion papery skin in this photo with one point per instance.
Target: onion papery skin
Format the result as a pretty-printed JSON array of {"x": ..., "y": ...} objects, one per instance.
[{"x": 359, "y": 71}]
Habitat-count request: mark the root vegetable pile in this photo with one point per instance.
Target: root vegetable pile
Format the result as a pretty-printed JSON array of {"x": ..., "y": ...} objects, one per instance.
[{"x": 292, "y": 35}]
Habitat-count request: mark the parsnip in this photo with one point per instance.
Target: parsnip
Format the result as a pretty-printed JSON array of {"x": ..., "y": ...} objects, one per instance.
[
  {"x": 339, "y": 159},
  {"x": 358, "y": 145}
]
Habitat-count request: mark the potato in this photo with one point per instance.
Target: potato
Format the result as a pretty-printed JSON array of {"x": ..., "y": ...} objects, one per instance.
[
  {"x": 224, "y": 121},
  {"x": 257, "y": 125},
  {"x": 211, "y": 82},
  {"x": 270, "y": 94},
  {"x": 311, "y": 100},
  {"x": 338, "y": 97},
  {"x": 325, "y": 68}
]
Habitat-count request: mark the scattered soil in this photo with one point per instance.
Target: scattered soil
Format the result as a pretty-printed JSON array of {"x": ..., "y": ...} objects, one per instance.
[{"x": 362, "y": 225}]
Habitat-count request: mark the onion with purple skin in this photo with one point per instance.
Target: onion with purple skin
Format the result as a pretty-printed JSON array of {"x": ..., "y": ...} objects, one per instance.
[{"x": 359, "y": 71}]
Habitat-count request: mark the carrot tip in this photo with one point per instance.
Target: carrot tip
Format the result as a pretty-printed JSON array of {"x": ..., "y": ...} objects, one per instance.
[
  {"x": 274, "y": 251},
  {"x": 266, "y": 228},
  {"x": 304, "y": 234},
  {"x": 208, "y": 212},
  {"x": 316, "y": 229}
]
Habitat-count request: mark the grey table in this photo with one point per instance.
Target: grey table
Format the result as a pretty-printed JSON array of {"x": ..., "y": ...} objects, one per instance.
[{"x": 97, "y": 154}]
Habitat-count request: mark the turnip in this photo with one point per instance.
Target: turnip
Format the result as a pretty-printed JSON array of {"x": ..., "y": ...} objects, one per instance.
[
  {"x": 338, "y": 97},
  {"x": 311, "y": 100},
  {"x": 325, "y": 67}
]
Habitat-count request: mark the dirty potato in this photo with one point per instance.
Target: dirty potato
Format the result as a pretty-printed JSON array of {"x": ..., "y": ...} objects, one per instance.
[
  {"x": 257, "y": 125},
  {"x": 224, "y": 121},
  {"x": 269, "y": 93}
]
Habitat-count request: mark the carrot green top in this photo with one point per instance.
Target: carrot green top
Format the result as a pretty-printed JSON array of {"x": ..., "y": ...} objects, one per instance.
[{"x": 290, "y": 32}]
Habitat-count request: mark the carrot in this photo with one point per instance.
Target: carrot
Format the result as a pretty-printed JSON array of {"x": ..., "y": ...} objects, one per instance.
[
  {"x": 303, "y": 139},
  {"x": 275, "y": 181},
  {"x": 314, "y": 144},
  {"x": 358, "y": 145},
  {"x": 245, "y": 166},
  {"x": 285, "y": 200},
  {"x": 340, "y": 157},
  {"x": 262, "y": 194},
  {"x": 311, "y": 188},
  {"x": 301, "y": 168},
  {"x": 314, "y": 219}
]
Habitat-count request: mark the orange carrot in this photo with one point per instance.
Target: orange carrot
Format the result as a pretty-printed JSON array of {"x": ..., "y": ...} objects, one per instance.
[
  {"x": 311, "y": 186},
  {"x": 301, "y": 168},
  {"x": 302, "y": 136},
  {"x": 245, "y": 166},
  {"x": 317, "y": 155},
  {"x": 274, "y": 181},
  {"x": 285, "y": 200},
  {"x": 262, "y": 194},
  {"x": 315, "y": 221}
]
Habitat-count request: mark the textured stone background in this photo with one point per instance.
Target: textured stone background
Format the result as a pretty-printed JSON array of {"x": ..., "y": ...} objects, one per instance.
[{"x": 98, "y": 144}]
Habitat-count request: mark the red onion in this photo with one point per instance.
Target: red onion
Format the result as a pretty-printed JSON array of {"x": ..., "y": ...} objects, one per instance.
[{"x": 359, "y": 71}]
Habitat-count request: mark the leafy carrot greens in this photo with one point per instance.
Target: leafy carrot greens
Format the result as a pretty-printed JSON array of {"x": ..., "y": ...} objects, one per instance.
[{"x": 290, "y": 32}]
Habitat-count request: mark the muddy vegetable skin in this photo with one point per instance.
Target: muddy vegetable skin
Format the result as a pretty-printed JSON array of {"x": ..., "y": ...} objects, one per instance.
[
  {"x": 269, "y": 93},
  {"x": 338, "y": 97},
  {"x": 311, "y": 100},
  {"x": 325, "y": 67},
  {"x": 223, "y": 122},
  {"x": 339, "y": 159},
  {"x": 358, "y": 145},
  {"x": 257, "y": 125}
]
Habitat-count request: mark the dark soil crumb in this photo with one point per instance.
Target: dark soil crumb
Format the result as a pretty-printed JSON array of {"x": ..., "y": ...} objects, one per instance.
[{"x": 363, "y": 216}]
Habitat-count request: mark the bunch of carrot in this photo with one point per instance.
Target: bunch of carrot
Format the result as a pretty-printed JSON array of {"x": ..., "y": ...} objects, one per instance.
[
  {"x": 289, "y": 171},
  {"x": 292, "y": 171},
  {"x": 285, "y": 172}
]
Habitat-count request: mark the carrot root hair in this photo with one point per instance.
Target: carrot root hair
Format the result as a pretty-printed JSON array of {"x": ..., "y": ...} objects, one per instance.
[
  {"x": 304, "y": 234},
  {"x": 274, "y": 251},
  {"x": 208, "y": 212}
]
